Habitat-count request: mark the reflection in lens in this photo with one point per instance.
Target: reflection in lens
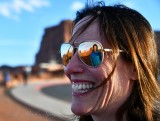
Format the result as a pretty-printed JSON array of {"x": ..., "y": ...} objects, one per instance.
[
  {"x": 90, "y": 53},
  {"x": 95, "y": 56},
  {"x": 66, "y": 53}
]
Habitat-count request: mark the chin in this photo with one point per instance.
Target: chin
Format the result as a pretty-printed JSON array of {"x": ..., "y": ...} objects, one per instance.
[{"x": 79, "y": 109}]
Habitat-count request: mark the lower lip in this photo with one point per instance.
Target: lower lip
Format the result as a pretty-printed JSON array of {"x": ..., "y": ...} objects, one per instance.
[{"x": 81, "y": 94}]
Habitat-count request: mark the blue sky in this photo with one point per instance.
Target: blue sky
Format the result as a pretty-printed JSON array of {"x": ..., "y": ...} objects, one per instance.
[{"x": 22, "y": 23}]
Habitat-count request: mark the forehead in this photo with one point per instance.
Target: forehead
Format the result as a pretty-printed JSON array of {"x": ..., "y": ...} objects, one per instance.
[{"x": 89, "y": 34}]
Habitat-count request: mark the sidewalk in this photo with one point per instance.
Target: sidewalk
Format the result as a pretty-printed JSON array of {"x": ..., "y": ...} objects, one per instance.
[{"x": 50, "y": 97}]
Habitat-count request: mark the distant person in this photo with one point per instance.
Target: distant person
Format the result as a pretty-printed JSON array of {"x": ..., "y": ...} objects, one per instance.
[
  {"x": 95, "y": 56},
  {"x": 25, "y": 73},
  {"x": 6, "y": 77},
  {"x": 25, "y": 76}
]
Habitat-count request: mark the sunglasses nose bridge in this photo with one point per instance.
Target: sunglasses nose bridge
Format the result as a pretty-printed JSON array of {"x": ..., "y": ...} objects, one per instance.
[
  {"x": 75, "y": 50},
  {"x": 75, "y": 57}
]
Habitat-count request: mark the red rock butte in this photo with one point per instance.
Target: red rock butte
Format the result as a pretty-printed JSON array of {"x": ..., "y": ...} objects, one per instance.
[{"x": 51, "y": 41}]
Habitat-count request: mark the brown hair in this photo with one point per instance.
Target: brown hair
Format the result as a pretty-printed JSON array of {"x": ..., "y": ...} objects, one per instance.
[{"x": 128, "y": 30}]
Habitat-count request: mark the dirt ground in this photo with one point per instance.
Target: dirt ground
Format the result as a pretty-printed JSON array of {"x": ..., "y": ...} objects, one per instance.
[{"x": 11, "y": 110}]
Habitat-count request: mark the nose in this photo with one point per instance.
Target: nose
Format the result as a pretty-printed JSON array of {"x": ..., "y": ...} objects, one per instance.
[{"x": 75, "y": 66}]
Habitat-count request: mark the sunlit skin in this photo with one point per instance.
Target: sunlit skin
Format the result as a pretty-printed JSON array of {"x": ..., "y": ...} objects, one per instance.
[{"x": 115, "y": 91}]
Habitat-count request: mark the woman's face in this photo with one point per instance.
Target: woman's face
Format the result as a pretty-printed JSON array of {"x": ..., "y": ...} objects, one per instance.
[
  {"x": 95, "y": 48},
  {"x": 108, "y": 97}
]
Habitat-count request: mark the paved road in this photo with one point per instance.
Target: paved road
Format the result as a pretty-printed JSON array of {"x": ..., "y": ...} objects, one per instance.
[
  {"x": 11, "y": 110},
  {"x": 64, "y": 92},
  {"x": 51, "y": 98}
]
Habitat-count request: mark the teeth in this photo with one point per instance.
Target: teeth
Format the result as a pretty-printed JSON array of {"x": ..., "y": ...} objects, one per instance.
[
  {"x": 81, "y": 87},
  {"x": 90, "y": 86},
  {"x": 84, "y": 86}
]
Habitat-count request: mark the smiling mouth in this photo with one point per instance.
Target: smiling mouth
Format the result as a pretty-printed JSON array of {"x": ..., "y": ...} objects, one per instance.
[{"x": 81, "y": 88}]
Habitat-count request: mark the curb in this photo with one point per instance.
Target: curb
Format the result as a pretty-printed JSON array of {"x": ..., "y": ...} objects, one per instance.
[{"x": 31, "y": 97}]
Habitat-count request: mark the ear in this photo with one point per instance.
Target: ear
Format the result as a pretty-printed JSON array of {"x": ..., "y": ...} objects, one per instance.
[{"x": 133, "y": 74}]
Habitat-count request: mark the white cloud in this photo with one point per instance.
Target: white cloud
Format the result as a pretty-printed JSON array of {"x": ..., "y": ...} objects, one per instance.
[
  {"x": 13, "y": 8},
  {"x": 39, "y": 3},
  {"x": 4, "y": 10},
  {"x": 76, "y": 5}
]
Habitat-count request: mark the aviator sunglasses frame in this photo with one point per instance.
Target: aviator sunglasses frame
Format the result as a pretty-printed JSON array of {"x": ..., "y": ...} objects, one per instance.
[{"x": 77, "y": 48}]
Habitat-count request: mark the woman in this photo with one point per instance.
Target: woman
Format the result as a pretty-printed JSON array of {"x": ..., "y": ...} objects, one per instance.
[
  {"x": 124, "y": 86},
  {"x": 95, "y": 56}
]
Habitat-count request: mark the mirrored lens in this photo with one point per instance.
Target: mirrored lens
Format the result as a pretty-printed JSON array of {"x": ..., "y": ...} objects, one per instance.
[
  {"x": 90, "y": 53},
  {"x": 66, "y": 53}
]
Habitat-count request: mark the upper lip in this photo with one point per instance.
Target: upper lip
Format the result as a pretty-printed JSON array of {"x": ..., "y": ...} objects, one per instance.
[{"x": 81, "y": 81}]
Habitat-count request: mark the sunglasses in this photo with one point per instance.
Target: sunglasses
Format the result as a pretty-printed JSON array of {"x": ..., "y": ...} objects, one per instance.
[{"x": 91, "y": 53}]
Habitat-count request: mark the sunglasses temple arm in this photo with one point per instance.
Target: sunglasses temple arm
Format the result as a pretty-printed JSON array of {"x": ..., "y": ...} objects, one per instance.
[
  {"x": 110, "y": 50},
  {"x": 107, "y": 50}
]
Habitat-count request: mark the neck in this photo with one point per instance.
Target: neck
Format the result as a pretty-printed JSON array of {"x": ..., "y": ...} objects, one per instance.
[
  {"x": 103, "y": 119},
  {"x": 105, "y": 116},
  {"x": 108, "y": 117}
]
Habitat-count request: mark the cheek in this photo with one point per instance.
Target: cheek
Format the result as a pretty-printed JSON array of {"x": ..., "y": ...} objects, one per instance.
[
  {"x": 101, "y": 73},
  {"x": 121, "y": 82},
  {"x": 107, "y": 67},
  {"x": 123, "y": 72}
]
